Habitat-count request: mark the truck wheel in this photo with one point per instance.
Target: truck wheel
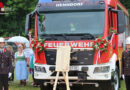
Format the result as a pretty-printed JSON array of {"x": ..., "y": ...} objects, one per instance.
[
  {"x": 116, "y": 80},
  {"x": 114, "y": 84},
  {"x": 48, "y": 87},
  {"x": 73, "y": 87}
]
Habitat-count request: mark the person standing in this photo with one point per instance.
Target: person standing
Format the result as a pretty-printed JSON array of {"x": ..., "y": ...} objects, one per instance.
[
  {"x": 5, "y": 65},
  {"x": 10, "y": 49},
  {"x": 21, "y": 65},
  {"x": 32, "y": 68},
  {"x": 126, "y": 63}
]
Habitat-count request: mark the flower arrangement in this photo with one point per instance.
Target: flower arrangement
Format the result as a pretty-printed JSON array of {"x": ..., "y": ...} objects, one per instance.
[
  {"x": 101, "y": 44},
  {"x": 38, "y": 45}
]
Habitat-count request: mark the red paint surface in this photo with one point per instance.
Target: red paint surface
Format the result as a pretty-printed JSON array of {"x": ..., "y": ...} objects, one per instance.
[
  {"x": 40, "y": 58},
  {"x": 36, "y": 27}
]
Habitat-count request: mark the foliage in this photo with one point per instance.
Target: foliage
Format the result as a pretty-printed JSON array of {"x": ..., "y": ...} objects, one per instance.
[
  {"x": 13, "y": 23},
  {"x": 112, "y": 30},
  {"x": 126, "y": 3}
]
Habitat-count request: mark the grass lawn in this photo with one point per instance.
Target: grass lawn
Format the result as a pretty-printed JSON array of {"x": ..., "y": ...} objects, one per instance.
[
  {"x": 122, "y": 85},
  {"x": 15, "y": 85}
]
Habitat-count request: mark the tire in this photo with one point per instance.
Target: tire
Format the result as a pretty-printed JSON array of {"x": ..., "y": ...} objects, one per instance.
[
  {"x": 73, "y": 87},
  {"x": 114, "y": 83},
  {"x": 61, "y": 87},
  {"x": 48, "y": 87}
]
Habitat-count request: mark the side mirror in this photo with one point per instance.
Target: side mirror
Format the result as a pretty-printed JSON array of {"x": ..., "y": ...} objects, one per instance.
[
  {"x": 28, "y": 23},
  {"x": 121, "y": 22}
]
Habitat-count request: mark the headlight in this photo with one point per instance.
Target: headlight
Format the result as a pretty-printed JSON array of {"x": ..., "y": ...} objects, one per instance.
[
  {"x": 40, "y": 69},
  {"x": 103, "y": 69}
]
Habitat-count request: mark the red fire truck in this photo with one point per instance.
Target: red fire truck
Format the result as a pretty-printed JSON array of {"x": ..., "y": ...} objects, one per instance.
[{"x": 95, "y": 30}]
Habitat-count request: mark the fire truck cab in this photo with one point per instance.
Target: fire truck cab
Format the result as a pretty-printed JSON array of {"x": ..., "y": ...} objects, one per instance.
[{"x": 78, "y": 23}]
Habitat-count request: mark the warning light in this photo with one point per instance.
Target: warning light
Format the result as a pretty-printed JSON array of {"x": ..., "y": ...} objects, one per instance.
[
  {"x": 1, "y": 5},
  {"x": 44, "y": 1}
]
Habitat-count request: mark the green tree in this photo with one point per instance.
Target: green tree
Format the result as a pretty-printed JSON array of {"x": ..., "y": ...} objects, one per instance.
[
  {"x": 14, "y": 22},
  {"x": 126, "y": 3}
]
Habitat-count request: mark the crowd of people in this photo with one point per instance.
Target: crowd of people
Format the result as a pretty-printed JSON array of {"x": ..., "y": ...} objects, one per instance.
[{"x": 20, "y": 60}]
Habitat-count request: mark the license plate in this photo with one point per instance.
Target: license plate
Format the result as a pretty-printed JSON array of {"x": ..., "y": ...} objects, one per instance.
[{"x": 74, "y": 68}]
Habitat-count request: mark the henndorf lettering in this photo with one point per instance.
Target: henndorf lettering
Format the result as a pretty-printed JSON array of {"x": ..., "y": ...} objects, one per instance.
[{"x": 69, "y": 4}]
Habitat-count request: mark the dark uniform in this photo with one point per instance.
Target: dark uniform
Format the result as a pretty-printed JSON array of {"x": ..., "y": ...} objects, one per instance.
[
  {"x": 13, "y": 67},
  {"x": 5, "y": 68},
  {"x": 126, "y": 67}
]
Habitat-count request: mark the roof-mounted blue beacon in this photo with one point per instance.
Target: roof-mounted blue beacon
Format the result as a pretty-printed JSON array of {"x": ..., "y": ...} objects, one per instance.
[{"x": 45, "y": 1}]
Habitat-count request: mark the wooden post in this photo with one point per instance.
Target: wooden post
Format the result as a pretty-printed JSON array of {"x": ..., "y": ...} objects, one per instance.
[
  {"x": 67, "y": 81},
  {"x": 56, "y": 80}
]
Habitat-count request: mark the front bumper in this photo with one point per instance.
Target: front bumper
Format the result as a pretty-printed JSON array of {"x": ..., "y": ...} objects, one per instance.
[{"x": 48, "y": 74}]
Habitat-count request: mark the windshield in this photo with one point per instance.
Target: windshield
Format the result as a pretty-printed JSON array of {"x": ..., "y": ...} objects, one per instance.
[{"x": 72, "y": 23}]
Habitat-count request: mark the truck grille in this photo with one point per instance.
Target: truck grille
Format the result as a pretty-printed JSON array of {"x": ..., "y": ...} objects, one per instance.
[
  {"x": 71, "y": 73},
  {"x": 78, "y": 57}
]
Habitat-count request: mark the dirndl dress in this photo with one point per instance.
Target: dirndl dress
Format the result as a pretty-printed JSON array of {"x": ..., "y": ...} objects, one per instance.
[{"x": 21, "y": 67}]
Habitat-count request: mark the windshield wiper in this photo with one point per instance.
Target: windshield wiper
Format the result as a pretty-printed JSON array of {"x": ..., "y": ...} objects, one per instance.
[
  {"x": 65, "y": 37},
  {"x": 49, "y": 37},
  {"x": 87, "y": 36},
  {"x": 84, "y": 36}
]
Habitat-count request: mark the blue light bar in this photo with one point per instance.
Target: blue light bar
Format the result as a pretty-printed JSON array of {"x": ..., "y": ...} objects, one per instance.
[{"x": 44, "y": 1}]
